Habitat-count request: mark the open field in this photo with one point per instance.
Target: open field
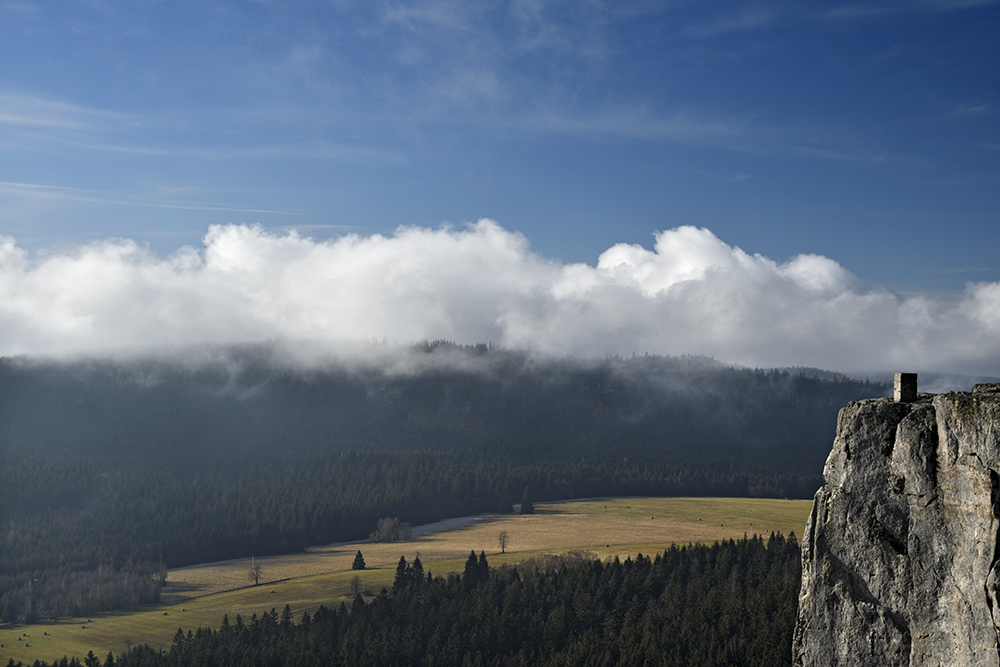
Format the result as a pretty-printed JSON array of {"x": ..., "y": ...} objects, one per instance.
[{"x": 198, "y": 596}]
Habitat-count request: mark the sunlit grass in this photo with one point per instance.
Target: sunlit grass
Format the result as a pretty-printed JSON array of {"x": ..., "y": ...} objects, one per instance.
[{"x": 199, "y": 596}]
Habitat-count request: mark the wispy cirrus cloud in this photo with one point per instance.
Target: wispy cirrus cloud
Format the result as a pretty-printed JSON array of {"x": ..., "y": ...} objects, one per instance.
[
  {"x": 58, "y": 192},
  {"x": 744, "y": 134},
  {"x": 953, "y": 5},
  {"x": 972, "y": 110},
  {"x": 39, "y": 122},
  {"x": 313, "y": 149},
  {"x": 440, "y": 14},
  {"x": 742, "y": 19},
  {"x": 641, "y": 123},
  {"x": 852, "y": 11},
  {"x": 26, "y": 111}
]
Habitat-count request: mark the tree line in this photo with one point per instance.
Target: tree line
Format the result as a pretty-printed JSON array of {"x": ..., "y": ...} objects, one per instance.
[{"x": 732, "y": 603}]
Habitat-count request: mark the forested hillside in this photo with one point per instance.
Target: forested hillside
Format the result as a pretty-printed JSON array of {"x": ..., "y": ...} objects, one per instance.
[{"x": 112, "y": 471}]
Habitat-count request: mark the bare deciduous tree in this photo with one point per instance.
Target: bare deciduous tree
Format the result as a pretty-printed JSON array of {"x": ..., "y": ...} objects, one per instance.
[
  {"x": 502, "y": 540},
  {"x": 255, "y": 571},
  {"x": 391, "y": 529}
]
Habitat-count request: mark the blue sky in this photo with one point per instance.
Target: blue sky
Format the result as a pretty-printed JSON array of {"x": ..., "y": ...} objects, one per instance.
[{"x": 866, "y": 133}]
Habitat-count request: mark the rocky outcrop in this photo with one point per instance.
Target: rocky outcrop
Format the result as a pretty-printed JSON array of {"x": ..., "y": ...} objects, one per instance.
[{"x": 900, "y": 554}]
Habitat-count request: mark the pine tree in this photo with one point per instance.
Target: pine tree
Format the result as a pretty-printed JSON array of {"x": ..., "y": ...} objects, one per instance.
[
  {"x": 359, "y": 562},
  {"x": 403, "y": 575},
  {"x": 471, "y": 575},
  {"x": 417, "y": 571}
]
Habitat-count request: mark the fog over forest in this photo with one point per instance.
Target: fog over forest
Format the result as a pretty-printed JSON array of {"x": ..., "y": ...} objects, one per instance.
[
  {"x": 692, "y": 293},
  {"x": 431, "y": 431},
  {"x": 437, "y": 393}
]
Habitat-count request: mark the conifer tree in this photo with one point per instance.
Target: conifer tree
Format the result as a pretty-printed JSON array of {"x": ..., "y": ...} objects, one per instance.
[
  {"x": 471, "y": 575},
  {"x": 403, "y": 574}
]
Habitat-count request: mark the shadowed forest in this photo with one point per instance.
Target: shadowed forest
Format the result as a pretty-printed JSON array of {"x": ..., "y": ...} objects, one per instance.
[
  {"x": 112, "y": 472},
  {"x": 732, "y": 603}
]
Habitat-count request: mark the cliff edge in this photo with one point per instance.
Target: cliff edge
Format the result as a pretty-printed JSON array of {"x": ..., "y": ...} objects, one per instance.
[{"x": 900, "y": 557}]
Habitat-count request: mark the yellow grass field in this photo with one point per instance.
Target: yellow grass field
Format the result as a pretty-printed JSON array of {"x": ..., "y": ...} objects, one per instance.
[{"x": 198, "y": 596}]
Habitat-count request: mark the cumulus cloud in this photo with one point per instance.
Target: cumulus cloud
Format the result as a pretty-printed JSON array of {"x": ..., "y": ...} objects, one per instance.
[{"x": 691, "y": 293}]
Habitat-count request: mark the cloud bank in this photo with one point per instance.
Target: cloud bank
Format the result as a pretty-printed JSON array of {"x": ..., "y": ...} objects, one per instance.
[{"x": 692, "y": 293}]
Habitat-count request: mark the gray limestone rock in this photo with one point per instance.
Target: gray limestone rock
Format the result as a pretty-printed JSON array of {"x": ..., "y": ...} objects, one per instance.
[{"x": 900, "y": 554}]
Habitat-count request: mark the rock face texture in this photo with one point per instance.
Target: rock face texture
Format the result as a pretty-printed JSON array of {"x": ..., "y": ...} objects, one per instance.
[{"x": 900, "y": 558}]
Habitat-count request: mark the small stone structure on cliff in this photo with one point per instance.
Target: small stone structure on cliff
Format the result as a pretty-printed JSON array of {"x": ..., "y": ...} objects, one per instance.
[
  {"x": 901, "y": 554},
  {"x": 904, "y": 387}
]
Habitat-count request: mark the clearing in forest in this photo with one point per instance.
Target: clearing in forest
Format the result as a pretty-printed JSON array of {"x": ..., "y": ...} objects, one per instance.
[{"x": 199, "y": 596}]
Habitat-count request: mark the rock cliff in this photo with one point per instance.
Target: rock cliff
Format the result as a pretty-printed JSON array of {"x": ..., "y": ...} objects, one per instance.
[{"x": 900, "y": 558}]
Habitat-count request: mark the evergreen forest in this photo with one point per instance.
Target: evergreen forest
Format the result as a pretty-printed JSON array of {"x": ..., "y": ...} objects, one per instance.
[
  {"x": 112, "y": 471},
  {"x": 731, "y": 603}
]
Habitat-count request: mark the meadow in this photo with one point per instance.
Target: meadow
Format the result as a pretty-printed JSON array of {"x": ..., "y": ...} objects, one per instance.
[{"x": 199, "y": 596}]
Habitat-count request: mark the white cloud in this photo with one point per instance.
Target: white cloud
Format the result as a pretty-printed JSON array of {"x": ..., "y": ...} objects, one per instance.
[{"x": 692, "y": 293}]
